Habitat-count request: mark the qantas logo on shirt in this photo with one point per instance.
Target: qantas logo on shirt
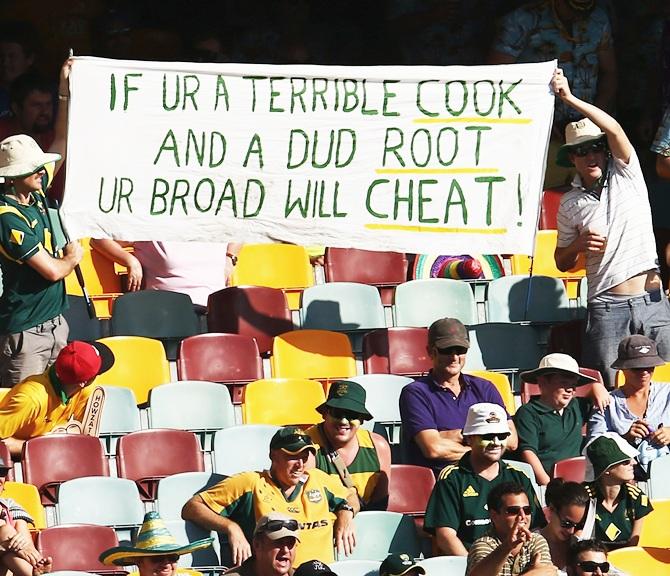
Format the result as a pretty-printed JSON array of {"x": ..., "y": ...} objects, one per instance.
[{"x": 312, "y": 525}]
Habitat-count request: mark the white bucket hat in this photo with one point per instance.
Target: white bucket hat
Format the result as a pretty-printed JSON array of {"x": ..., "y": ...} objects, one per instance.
[
  {"x": 486, "y": 418},
  {"x": 20, "y": 155},
  {"x": 577, "y": 133},
  {"x": 553, "y": 364}
]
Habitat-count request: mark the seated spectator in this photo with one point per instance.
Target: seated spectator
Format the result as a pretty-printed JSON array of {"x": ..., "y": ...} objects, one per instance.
[
  {"x": 550, "y": 426},
  {"x": 193, "y": 268},
  {"x": 155, "y": 551},
  {"x": 400, "y": 565},
  {"x": 57, "y": 398},
  {"x": 434, "y": 407},
  {"x": 510, "y": 547},
  {"x": 456, "y": 513},
  {"x": 589, "y": 557},
  {"x": 234, "y": 505},
  {"x": 620, "y": 505},
  {"x": 357, "y": 457},
  {"x": 17, "y": 552},
  {"x": 567, "y": 504},
  {"x": 17, "y": 56},
  {"x": 639, "y": 407}
]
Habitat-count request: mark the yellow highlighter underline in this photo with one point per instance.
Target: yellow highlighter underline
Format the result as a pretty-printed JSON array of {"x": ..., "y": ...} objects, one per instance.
[
  {"x": 472, "y": 120},
  {"x": 436, "y": 229}
]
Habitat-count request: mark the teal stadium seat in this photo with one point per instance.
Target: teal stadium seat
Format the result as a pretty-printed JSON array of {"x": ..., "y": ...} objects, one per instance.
[
  {"x": 120, "y": 416},
  {"x": 186, "y": 532},
  {"x": 356, "y": 567},
  {"x": 173, "y": 491},
  {"x": 441, "y": 565},
  {"x": 527, "y": 299},
  {"x": 421, "y": 302},
  {"x": 658, "y": 485},
  {"x": 243, "y": 448}
]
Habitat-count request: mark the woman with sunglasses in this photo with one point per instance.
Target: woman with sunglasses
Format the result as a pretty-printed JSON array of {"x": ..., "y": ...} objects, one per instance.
[
  {"x": 567, "y": 505},
  {"x": 640, "y": 407},
  {"x": 620, "y": 505}
]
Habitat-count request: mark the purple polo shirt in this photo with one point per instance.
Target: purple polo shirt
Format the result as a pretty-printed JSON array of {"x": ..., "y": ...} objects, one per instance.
[{"x": 426, "y": 406}]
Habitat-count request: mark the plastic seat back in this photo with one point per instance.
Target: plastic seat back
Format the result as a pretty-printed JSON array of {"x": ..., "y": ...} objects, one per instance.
[
  {"x": 282, "y": 401},
  {"x": 502, "y": 384},
  {"x": 106, "y": 501},
  {"x": 81, "y": 326},
  {"x": 284, "y": 266},
  {"x": 655, "y": 532},
  {"x": 161, "y": 314},
  {"x": 385, "y": 533},
  {"x": 232, "y": 359},
  {"x": 397, "y": 350},
  {"x": 148, "y": 455},
  {"x": 186, "y": 532},
  {"x": 120, "y": 416},
  {"x": 527, "y": 469},
  {"x": 551, "y": 200},
  {"x": 342, "y": 307},
  {"x": 638, "y": 561},
  {"x": 410, "y": 488},
  {"x": 317, "y": 354},
  {"x": 356, "y": 567},
  {"x": 48, "y": 461},
  {"x": 527, "y": 299},
  {"x": 29, "y": 497},
  {"x": 140, "y": 364},
  {"x": 173, "y": 491},
  {"x": 504, "y": 347},
  {"x": 440, "y": 565},
  {"x": 570, "y": 469},
  {"x": 421, "y": 302},
  {"x": 658, "y": 487},
  {"x": 243, "y": 448},
  {"x": 77, "y": 547},
  {"x": 260, "y": 312},
  {"x": 382, "y": 269}
]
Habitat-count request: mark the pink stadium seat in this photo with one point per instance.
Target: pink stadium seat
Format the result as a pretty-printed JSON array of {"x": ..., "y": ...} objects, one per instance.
[
  {"x": 570, "y": 469},
  {"x": 551, "y": 199},
  {"x": 396, "y": 350}
]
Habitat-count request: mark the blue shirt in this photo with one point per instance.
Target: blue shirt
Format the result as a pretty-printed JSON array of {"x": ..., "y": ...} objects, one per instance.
[
  {"x": 426, "y": 406},
  {"x": 618, "y": 417}
]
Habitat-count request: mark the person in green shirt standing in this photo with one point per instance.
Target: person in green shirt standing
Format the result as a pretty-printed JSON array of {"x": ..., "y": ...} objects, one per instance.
[
  {"x": 457, "y": 511},
  {"x": 32, "y": 327}
]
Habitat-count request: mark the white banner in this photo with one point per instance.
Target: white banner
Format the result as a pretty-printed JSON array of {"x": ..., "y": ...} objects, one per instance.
[{"x": 418, "y": 159}]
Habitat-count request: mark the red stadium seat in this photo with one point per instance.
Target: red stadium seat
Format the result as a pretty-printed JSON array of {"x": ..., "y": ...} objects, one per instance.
[
  {"x": 551, "y": 200},
  {"x": 385, "y": 270},
  {"x": 48, "y": 461},
  {"x": 147, "y": 456},
  {"x": 260, "y": 312},
  {"x": 232, "y": 359},
  {"x": 570, "y": 469},
  {"x": 397, "y": 350},
  {"x": 409, "y": 490}
]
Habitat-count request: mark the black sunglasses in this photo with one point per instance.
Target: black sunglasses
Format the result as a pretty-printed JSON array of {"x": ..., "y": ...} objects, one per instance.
[
  {"x": 340, "y": 414},
  {"x": 516, "y": 510},
  {"x": 459, "y": 350},
  {"x": 500, "y": 436},
  {"x": 172, "y": 558},
  {"x": 570, "y": 524},
  {"x": 591, "y": 566},
  {"x": 583, "y": 149},
  {"x": 277, "y": 525}
]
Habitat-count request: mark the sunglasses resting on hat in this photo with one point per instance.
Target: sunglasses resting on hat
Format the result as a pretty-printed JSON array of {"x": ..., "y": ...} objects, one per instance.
[{"x": 276, "y": 525}]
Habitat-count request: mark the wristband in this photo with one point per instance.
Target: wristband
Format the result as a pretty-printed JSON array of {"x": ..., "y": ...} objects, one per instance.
[
  {"x": 232, "y": 257},
  {"x": 63, "y": 97}
]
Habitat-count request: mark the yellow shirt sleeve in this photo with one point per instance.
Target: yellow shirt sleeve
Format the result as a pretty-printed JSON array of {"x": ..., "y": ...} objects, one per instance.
[
  {"x": 19, "y": 413},
  {"x": 229, "y": 491}
]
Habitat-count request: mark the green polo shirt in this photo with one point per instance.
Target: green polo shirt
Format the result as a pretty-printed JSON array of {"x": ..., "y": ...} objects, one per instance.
[
  {"x": 458, "y": 500},
  {"x": 550, "y": 435},
  {"x": 615, "y": 528}
]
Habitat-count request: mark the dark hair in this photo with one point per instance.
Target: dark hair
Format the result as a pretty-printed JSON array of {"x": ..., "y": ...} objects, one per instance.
[
  {"x": 583, "y": 546},
  {"x": 560, "y": 493},
  {"x": 496, "y": 495},
  {"x": 22, "y": 33},
  {"x": 25, "y": 84}
]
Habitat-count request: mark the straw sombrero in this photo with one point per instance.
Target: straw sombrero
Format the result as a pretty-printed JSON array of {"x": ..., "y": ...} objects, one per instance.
[{"x": 154, "y": 539}]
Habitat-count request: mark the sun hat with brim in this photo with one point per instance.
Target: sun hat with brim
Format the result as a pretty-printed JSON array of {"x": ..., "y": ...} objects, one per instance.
[
  {"x": 577, "y": 133},
  {"x": 291, "y": 440},
  {"x": 556, "y": 363},
  {"x": 399, "y": 564},
  {"x": 485, "y": 418},
  {"x": 606, "y": 451},
  {"x": 20, "y": 155},
  {"x": 153, "y": 539},
  {"x": 346, "y": 395},
  {"x": 637, "y": 351}
]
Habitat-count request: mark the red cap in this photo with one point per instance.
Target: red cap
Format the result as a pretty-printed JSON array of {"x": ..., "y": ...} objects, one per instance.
[{"x": 80, "y": 362}]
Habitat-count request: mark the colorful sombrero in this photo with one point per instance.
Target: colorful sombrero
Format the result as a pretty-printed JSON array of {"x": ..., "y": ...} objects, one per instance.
[
  {"x": 154, "y": 539},
  {"x": 460, "y": 267}
]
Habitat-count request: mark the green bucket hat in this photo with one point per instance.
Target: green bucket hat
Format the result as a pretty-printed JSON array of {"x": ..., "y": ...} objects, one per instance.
[
  {"x": 606, "y": 451},
  {"x": 399, "y": 564},
  {"x": 154, "y": 539},
  {"x": 346, "y": 395}
]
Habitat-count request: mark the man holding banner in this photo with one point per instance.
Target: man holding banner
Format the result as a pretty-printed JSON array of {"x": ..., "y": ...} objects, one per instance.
[
  {"x": 606, "y": 216},
  {"x": 32, "y": 327}
]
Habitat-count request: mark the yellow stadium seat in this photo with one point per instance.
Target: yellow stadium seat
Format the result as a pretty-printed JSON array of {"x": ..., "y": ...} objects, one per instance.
[
  {"x": 661, "y": 374},
  {"x": 140, "y": 364},
  {"x": 544, "y": 264},
  {"x": 282, "y": 401},
  {"x": 319, "y": 354},
  {"x": 284, "y": 266},
  {"x": 102, "y": 282},
  {"x": 502, "y": 384},
  {"x": 28, "y": 496},
  {"x": 638, "y": 561},
  {"x": 655, "y": 533}
]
